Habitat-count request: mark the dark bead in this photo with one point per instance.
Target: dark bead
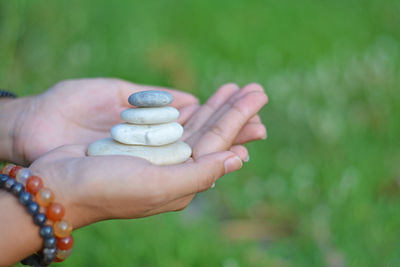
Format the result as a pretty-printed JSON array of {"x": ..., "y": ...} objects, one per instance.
[
  {"x": 50, "y": 242},
  {"x": 3, "y": 179},
  {"x": 49, "y": 255},
  {"x": 50, "y": 252},
  {"x": 46, "y": 231},
  {"x": 17, "y": 189},
  {"x": 32, "y": 260},
  {"x": 40, "y": 219},
  {"x": 45, "y": 262},
  {"x": 25, "y": 198},
  {"x": 33, "y": 208},
  {"x": 9, "y": 184}
]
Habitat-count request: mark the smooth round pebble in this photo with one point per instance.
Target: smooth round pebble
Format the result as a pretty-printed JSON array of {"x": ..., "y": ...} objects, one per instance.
[
  {"x": 153, "y": 98},
  {"x": 174, "y": 153},
  {"x": 150, "y": 115},
  {"x": 150, "y": 135}
]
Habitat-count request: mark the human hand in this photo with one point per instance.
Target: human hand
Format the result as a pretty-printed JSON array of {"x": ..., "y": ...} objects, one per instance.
[
  {"x": 108, "y": 187},
  {"x": 79, "y": 112}
]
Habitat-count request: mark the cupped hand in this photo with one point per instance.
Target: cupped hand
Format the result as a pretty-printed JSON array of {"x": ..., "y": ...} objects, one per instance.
[
  {"x": 95, "y": 188},
  {"x": 80, "y": 112}
]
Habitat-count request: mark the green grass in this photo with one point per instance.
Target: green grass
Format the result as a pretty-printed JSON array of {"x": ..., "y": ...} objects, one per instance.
[{"x": 323, "y": 190}]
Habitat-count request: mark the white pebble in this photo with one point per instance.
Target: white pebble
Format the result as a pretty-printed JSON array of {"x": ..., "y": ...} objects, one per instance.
[
  {"x": 150, "y": 115},
  {"x": 174, "y": 153},
  {"x": 150, "y": 135}
]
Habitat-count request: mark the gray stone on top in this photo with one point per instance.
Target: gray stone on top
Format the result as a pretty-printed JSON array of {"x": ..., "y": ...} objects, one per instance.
[{"x": 153, "y": 98}]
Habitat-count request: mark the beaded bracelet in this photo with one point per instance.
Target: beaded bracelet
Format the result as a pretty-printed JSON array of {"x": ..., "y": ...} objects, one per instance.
[{"x": 48, "y": 215}]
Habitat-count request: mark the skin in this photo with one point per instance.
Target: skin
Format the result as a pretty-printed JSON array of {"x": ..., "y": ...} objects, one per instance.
[{"x": 54, "y": 129}]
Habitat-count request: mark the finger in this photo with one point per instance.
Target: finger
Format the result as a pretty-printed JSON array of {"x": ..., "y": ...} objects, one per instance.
[
  {"x": 255, "y": 119},
  {"x": 241, "y": 152},
  {"x": 196, "y": 176},
  {"x": 253, "y": 87},
  {"x": 220, "y": 136},
  {"x": 223, "y": 94},
  {"x": 251, "y": 132},
  {"x": 186, "y": 113},
  {"x": 181, "y": 99}
]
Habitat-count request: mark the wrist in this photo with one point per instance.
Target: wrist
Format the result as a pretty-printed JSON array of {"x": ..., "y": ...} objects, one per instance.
[
  {"x": 71, "y": 194},
  {"x": 38, "y": 200},
  {"x": 12, "y": 113}
]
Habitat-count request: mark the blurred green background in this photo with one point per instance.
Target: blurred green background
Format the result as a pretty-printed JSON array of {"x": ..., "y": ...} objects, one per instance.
[{"x": 322, "y": 190}]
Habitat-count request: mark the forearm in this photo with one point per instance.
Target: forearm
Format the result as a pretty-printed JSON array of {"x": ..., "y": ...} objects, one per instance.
[
  {"x": 11, "y": 111},
  {"x": 19, "y": 236}
]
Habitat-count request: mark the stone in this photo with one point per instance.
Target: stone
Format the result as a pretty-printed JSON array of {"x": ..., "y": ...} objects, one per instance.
[
  {"x": 150, "y": 115},
  {"x": 152, "y": 98},
  {"x": 174, "y": 153},
  {"x": 149, "y": 135}
]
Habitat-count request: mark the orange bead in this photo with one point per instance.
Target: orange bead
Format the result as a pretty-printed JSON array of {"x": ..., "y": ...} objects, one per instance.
[
  {"x": 34, "y": 184},
  {"x": 65, "y": 243},
  {"x": 14, "y": 171},
  {"x": 6, "y": 170},
  {"x": 55, "y": 212},
  {"x": 62, "y": 229},
  {"x": 44, "y": 197}
]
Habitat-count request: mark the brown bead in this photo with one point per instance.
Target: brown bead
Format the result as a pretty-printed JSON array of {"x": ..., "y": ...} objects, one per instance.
[
  {"x": 34, "y": 184},
  {"x": 55, "y": 212},
  {"x": 44, "y": 197},
  {"x": 62, "y": 229},
  {"x": 14, "y": 171},
  {"x": 65, "y": 243}
]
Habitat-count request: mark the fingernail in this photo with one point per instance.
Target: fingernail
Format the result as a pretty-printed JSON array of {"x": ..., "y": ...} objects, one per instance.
[
  {"x": 213, "y": 185},
  {"x": 264, "y": 137},
  {"x": 247, "y": 159},
  {"x": 233, "y": 164}
]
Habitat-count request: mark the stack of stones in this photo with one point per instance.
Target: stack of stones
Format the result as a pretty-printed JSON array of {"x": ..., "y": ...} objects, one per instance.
[{"x": 149, "y": 132}]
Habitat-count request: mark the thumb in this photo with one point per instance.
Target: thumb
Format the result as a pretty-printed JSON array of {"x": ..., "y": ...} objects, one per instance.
[{"x": 199, "y": 175}]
